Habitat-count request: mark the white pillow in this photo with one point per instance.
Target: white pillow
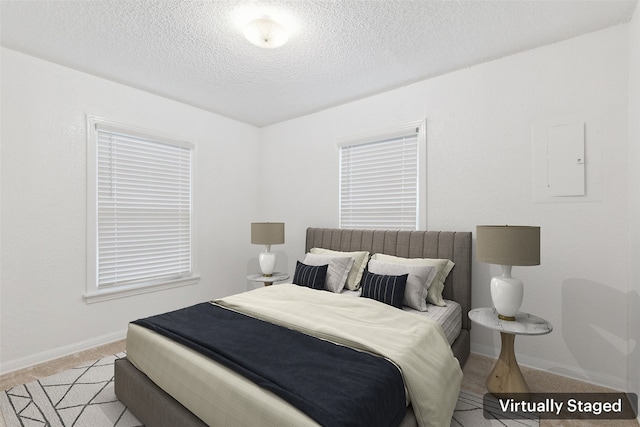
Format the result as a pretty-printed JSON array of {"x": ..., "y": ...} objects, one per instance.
[
  {"x": 418, "y": 282},
  {"x": 444, "y": 266},
  {"x": 360, "y": 259},
  {"x": 337, "y": 272}
]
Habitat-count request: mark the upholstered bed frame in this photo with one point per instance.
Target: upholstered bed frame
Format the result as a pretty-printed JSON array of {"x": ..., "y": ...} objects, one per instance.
[
  {"x": 455, "y": 246},
  {"x": 155, "y": 408}
]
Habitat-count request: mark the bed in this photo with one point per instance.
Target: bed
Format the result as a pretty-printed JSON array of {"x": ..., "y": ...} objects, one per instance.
[{"x": 154, "y": 406}]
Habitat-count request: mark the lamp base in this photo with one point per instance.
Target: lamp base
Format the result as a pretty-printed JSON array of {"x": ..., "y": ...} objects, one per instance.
[
  {"x": 507, "y": 293},
  {"x": 267, "y": 263}
]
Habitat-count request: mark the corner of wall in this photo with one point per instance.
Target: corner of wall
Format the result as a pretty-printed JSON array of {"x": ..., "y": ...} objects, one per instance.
[{"x": 633, "y": 300}]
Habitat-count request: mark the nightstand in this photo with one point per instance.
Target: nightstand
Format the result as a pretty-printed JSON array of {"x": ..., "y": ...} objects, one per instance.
[
  {"x": 506, "y": 376},
  {"x": 268, "y": 280}
]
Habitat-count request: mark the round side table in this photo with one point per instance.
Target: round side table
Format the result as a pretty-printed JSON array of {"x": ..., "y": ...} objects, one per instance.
[
  {"x": 506, "y": 376},
  {"x": 268, "y": 280}
]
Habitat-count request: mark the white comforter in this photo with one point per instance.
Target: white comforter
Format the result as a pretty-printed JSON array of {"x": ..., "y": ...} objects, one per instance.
[{"x": 415, "y": 344}]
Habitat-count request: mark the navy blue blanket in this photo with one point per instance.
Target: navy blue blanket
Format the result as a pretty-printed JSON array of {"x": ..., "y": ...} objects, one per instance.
[{"x": 334, "y": 385}]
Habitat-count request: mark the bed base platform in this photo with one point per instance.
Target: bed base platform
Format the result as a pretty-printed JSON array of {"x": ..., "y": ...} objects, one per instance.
[
  {"x": 462, "y": 346},
  {"x": 155, "y": 408},
  {"x": 148, "y": 402}
]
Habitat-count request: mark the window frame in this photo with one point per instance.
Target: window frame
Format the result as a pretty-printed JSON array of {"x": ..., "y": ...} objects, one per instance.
[
  {"x": 95, "y": 293},
  {"x": 390, "y": 133}
]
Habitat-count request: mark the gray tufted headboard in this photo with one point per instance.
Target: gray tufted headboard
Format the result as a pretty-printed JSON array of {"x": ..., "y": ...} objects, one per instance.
[{"x": 453, "y": 245}]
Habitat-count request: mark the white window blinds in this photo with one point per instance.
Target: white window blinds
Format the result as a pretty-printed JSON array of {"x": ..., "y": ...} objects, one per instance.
[
  {"x": 379, "y": 182},
  {"x": 144, "y": 199}
]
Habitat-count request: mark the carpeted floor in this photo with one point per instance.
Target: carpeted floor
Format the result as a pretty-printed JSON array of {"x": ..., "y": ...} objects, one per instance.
[{"x": 478, "y": 367}]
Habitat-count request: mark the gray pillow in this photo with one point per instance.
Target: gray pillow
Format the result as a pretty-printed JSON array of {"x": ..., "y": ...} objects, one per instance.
[
  {"x": 360, "y": 259},
  {"x": 337, "y": 272},
  {"x": 418, "y": 282},
  {"x": 443, "y": 267}
]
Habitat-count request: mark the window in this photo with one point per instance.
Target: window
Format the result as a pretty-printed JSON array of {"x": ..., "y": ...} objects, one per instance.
[
  {"x": 381, "y": 178},
  {"x": 140, "y": 211}
]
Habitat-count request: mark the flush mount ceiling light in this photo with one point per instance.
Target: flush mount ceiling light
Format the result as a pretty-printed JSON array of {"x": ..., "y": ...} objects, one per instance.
[{"x": 265, "y": 32}]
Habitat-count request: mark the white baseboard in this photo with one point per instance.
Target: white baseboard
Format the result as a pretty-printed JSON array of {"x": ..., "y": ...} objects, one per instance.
[
  {"x": 56, "y": 353},
  {"x": 572, "y": 372}
]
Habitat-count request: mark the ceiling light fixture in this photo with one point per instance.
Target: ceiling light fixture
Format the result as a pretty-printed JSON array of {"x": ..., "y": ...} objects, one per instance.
[{"x": 265, "y": 32}]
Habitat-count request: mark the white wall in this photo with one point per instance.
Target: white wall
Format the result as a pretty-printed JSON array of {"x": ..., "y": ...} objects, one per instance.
[
  {"x": 633, "y": 305},
  {"x": 479, "y": 155},
  {"x": 0, "y": 213},
  {"x": 43, "y": 266}
]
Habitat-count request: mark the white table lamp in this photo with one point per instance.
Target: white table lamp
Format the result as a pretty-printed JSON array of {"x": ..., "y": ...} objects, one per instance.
[
  {"x": 267, "y": 233},
  {"x": 508, "y": 245}
]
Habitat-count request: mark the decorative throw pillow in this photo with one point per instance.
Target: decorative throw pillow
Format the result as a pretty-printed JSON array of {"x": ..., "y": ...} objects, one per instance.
[
  {"x": 444, "y": 266},
  {"x": 418, "y": 281},
  {"x": 311, "y": 276},
  {"x": 338, "y": 271},
  {"x": 386, "y": 289},
  {"x": 360, "y": 259}
]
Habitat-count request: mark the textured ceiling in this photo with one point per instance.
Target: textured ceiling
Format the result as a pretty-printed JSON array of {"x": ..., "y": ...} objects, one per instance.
[{"x": 340, "y": 50}]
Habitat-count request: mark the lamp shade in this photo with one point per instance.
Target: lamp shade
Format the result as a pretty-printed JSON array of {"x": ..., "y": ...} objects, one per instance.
[
  {"x": 508, "y": 244},
  {"x": 267, "y": 233}
]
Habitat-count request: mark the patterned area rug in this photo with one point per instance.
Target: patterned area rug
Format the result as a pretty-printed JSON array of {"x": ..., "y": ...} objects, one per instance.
[
  {"x": 84, "y": 397},
  {"x": 80, "y": 397},
  {"x": 469, "y": 412}
]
